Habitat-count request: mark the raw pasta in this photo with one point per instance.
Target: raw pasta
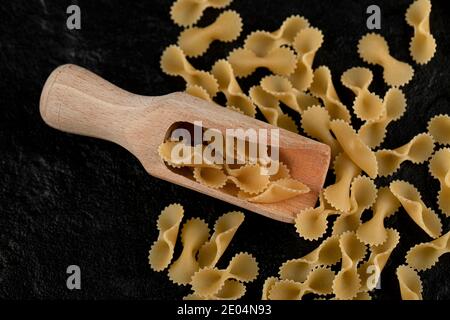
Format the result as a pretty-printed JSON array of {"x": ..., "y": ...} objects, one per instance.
[
  {"x": 418, "y": 150},
  {"x": 195, "y": 41},
  {"x": 194, "y": 234},
  {"x": 212, "y": 177},
  {"x": 412, "y": 202},
  {"x": 423, "y": 45},
  {"x": 161, "y": 252},
  {"x": 410, "y": 283},
  {"x": 278, "y": 190},
  {"x": 174, "y": 63},
  {"x": 268, "y": 284},
  {"x": 188, "y": 12},
  {"x": 374, "y": 49},
  {"x": 425, "y": 255},
  {"x": 439, "y": 128},
  {"x": 224, "y": 74},
  {"x": 323, "y": 88},
  {"x": 440, "y": 169},
  {"x": 367, "y": 105},
  {"x": 231, "y": 290},
  {"x": 198, "y": 91}
]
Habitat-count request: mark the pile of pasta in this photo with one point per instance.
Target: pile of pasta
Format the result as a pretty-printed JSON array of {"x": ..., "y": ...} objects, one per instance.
[
  {"x": 353, "y": 250},
  {"x": 196, "y": 264}
]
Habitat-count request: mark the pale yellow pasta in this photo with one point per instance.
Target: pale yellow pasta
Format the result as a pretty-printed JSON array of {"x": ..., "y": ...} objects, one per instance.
[
  {"x": 194, "y": 234},
  {"x": 306, "y": 44},
  {"x": 212, "y": 177},
  {"x": 316, "y": 124},
  {"x": 327, "y": 253},
  {"x": 279, "y": 190},
  {"x": 161, "y": 252},
  {"x": 195, "y": 41},
  {"x": 373, "y": 49},
  {"x": 354, "y": 147},
  {"x": 425, "y": 255},
  {"x": 174, "y": 63},
  {"x": 249, "y": 179},
  {"x": 319, "y": 281},
  {"x": 280, "y": 61},
  {"x": 440, "y": 169},
  {"x": 373, "y": 231},
  {"x": 262, "y": 42},
  {"x": 209, "y": 281},
  {"x": 347, "y": 282},
  {"x": 188, "y": 12},
  {"x": 270, "y": 108},
  {"x": 281, "y": 88},
  {"x": 367, "y": 105},
  {"x": 362, "y": 296},
  {"x": 231, "y": 290},
  {"x": 439, "y": 128},
  {"x": 198, "y": 91},
  {"x": 268, "y": 284},
  {"x": 370, "y": 271},
  {"x": 177, "y": 154},
  {"x": 418, "y": 150},
  {"x": 423, "y": 45},
  {"x": 224, "y": 231},
  {"x": 323, "y": 88},
  {"x": 373, "y": 132},
  {"x": 410, "y": 283},
  {"x": 224, "y": 74},
  {"x": 338, "y": 194},
  {"x": 412, "y": 202}
]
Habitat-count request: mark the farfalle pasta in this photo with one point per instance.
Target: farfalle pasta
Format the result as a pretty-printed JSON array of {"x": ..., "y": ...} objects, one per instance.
[
  {"x": 161, "y": 252},
  {"x": 198, "y": 91},
  {"x": 231, "y": 290},
  {"x": 423, "y": 45},
  {"x": 174, "y": 63},
  {"x": 410, "y": 283},
  {"x": 224, "y": 74},
  {"x": 418, "y": 150},
  {"x": 440, "y": 169},
  {"x": 195, "y": 41},
  {"x": 188, "y": 12},
  {"x": 367, "y": 105},
  {"x": 411, "y": 201},
  {"x": 268, "y": 284},
  {"x": 374, "y": 49},
  {"x": 323, "y": 88},
  {"x": 278, "y": 190},
  {"x": 439, "y": 128},
  {"x": 425, "y": 255},
  {"x": 212, "y": 177}
]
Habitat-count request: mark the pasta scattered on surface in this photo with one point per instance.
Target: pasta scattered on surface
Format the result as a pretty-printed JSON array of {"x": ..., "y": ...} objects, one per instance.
[
  {"x": 188, "y": 12},
  {"x": 278, "y": 190},
  {"x": 423, "y": 45},
  {"x": 425, "y": 255},
  {"x": 231, "y": 290},
  {"x": 410, "y": 283},
  {"x": 374, "y": 49},
  {"x": 439, "y": 128},
  {"x": 198, "y": 91},
  {"x": 268, "y": 284},
  {"x": 440, "y": 169}
]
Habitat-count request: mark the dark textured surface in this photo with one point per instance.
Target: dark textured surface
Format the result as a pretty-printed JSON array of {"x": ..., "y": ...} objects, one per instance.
[{"x": 66, "y": 199}]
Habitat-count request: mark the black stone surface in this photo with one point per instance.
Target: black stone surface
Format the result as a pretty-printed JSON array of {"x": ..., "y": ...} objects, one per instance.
[{"x": 66, "y": 199}]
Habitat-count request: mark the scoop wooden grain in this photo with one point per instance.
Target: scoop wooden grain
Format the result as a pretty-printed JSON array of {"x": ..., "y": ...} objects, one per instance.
[{"x": 77, "y": 101}]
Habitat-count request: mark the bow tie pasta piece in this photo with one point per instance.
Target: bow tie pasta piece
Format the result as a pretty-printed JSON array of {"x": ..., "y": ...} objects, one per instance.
[
  {"x": 195, "y": 41},
  {"x": 440, "y": 169},
  {"x": 322, "y": 87},
  {"x": 231, "y": 290},
  {"x": 262, "y": 42},
  {"x": 327, "y": 253},
  {"x": 277, "y": 191},
  {"x": 354, "y": 147},
  {"x": 211, "y": 177},
  {"x": 249, "y": 178},
  {"x": 373, "y": 132},
  {"x": 270, "y": 108},
  {"x": 425, "y": 255},
  {"x": 316, "y": 124},
  {"x": 367, "y": 105},
  {"x": 199, "y": 92},
  {"x": 228, "y": 84},
  {"x": 373, "y": 232},
  {"x": 306, "y": 44},
  {"x": 418, "y": 150},
  {"x": 347, "y": 282},
  {"x": 379, "y": 255},
  {"x": 280, "y": 61},
  {"x": 410, "y": 283},
  {"x": 423, "y": 45},
  {"x": 177, "y": 154},
  {"x": 187, "y": 12},
  {"x": 174, "y": 63},
  {"x": 161, "y": 252},
  {"x": 373, "y": 49},
  {"x": 412, "y": 202},
  {"x": 209, "y": 281},
  {"x": 267, "y": 286},
  {"x": 439, "y": 128},
  {"x": 194, "y": 234}
]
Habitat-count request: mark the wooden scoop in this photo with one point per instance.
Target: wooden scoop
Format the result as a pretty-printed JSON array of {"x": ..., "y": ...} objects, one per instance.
[{"x": 77, "y": 101}]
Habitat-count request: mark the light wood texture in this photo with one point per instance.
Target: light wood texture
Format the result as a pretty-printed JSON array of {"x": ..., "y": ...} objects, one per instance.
[{"x": 77, "y": 101}]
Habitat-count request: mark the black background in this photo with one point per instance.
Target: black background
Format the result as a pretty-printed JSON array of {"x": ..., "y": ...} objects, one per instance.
[{"x": 66, "y": 199}]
